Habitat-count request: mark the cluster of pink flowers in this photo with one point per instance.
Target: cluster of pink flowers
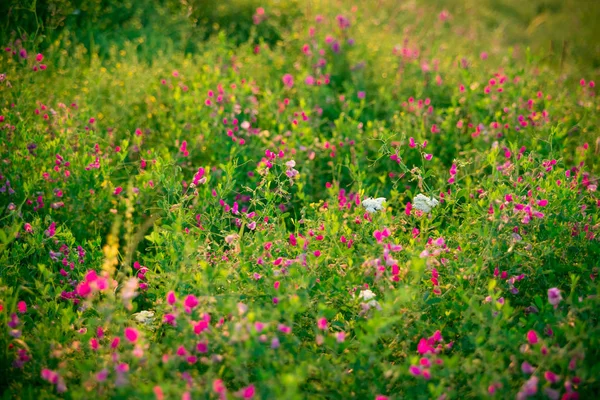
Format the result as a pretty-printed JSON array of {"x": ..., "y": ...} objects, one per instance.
[
  {"x": 92, "y": 284},
  {"x": 428, "y": 348}
]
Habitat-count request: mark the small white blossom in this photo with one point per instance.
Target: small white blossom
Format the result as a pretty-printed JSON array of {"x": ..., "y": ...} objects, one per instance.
[
  {"x": 424, "y": 203},
  {"x": 366, "y": 295},
  {"x": 373, "y": 205},
  {"x": 144, "y": 317}
]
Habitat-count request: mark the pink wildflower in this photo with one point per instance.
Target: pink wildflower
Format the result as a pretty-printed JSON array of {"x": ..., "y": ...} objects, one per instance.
[{"x": 131, "y": 334}]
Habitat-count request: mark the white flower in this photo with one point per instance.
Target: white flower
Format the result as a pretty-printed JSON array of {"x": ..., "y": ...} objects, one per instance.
[
  {"x": 366, "y": 295},
  {"x": 424, "y": 203},
  {"x": 144, "y": 317},
  {"x": 373, "y": 205}
]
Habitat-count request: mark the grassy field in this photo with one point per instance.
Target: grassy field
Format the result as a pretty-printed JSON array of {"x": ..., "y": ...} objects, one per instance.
[{"x": 289, "y": 200}]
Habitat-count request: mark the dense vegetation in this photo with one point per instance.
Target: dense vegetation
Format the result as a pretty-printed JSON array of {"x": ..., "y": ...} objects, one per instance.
[{"x": 294, "y": 200}]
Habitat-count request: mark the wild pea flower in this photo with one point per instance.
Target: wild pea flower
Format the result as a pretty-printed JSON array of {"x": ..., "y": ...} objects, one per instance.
[
  {"x": 199, "y": 177},
  {"x": 14, "y": 321},
  {"x": 131, "y": 334},
  {"x": 158, "y": 392},
  {"x": 183, "y": 149},
  {"x": 22, "y": 307},
  {"x": 284, "y": 329},
  {"x": 51, "y": 231},
  {"x": 288, "y": 80},
  {"x": 171, "y": 299},
  {"x": 424, "y": 203},
  {"x": 527, "y": 368},
  {"x": 532, "y": 337},
  {"x": 21, "y": 359},
  {"x": 379, "y": 235},
  {"x": 190, "y": 303},
  {"x": 54, "y": 378},
  {"x": 248, "y": 392},
  {"x": 452, "y": 178},
  {"x": 551, "y": 377},
  {"x": 275, "y": 343},
  {"x": 169, "y": 319},
  {"x": 529, "y": 388},
  {"x": 291, "y": 172},
  {"x": 322, "y": 323},
  {"x": 554, "y": 297},
  {"x": 373, "y": 205},
  {"x": 414, "y": 370}
]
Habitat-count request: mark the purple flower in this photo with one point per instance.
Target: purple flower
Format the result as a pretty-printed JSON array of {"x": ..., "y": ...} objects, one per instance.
[
  {"x": 554, "y": 296},
  {"x": 527, "y": 368}
]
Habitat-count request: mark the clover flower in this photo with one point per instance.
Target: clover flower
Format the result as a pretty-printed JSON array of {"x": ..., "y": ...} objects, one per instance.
[{"x": 373, "y": 205}]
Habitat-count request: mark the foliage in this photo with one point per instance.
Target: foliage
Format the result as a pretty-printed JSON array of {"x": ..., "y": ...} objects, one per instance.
[{"x": 182, "y": 216}]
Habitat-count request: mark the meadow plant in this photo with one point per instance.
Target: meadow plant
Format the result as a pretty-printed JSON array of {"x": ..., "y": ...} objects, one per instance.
[{"x": 198, "y": 225}]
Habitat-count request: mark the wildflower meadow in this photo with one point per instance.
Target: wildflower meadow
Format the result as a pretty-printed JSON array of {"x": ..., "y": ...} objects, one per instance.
[{"x": 299, "y": 199}]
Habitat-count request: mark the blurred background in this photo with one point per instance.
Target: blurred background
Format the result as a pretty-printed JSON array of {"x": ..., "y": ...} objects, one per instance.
[{"x": 560, "y": 32}]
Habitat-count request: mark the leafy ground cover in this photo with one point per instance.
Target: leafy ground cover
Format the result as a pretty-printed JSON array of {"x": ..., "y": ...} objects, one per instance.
[{"x": 290, "y": 200}]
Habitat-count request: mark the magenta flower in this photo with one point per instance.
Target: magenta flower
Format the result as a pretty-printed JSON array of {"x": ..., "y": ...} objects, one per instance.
[
  {"x": 248, "y": 392},
  {"x": 288, "y": 80},
  {"x": 322, "y": 323},
  {"x": 131, "y": 334},
  {"x": 532, "y": 337},
  {"x": 284, "y": 329},
  {"x": 551, "y": 377},
  {"x": 169, "y": 319},
  {"x": 218, "y": 386},
  {"x": 171, "y": 299},
  {"x": 190, "y": 302},
  {"x": 84, "y": 289},
  {"x": 22, "y": 307},
  {"x": 424, "y": 347},
  {"x": 51, "y": 231},
  {"x": 414, "y": 370}
]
